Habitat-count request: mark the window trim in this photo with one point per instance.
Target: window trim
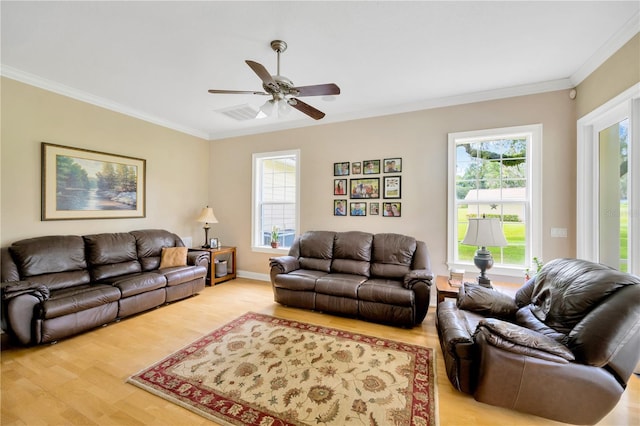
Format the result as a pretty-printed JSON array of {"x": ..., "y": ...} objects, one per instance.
[
  {"x": 255, "y": 205},
  {"x": 533, "y": 206}
]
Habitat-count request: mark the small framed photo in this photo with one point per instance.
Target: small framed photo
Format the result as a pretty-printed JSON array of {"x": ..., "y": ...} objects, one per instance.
[
  {"x": 341, "y": 169},
  {"x": 214, "y": 243},
  {"x": 339, "y": 187},
  {"x": 371, "y": 167},
  {"x": 391, "y": 186},
  {"x": 374, "y": 209},
  {"x": 356, "y": 168},
  {"x": 365, "y": 188},
  {"x": 339, "y": 207},
  {"x": 392, "y": 165},
  {"x": 392, "y": 209},
  {"x": 358, "y": 209}
]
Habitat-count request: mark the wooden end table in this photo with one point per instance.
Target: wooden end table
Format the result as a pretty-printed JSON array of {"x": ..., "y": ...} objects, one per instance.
[
  {"x": 444, "y": 289},
  {"x": 231, "y": 269}
]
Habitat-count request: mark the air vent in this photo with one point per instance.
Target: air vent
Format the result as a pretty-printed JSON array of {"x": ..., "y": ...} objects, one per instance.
[{"x": 242, "y": 112}]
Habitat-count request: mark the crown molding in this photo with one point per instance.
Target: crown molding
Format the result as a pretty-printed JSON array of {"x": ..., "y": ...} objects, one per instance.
[
  {"x": 619, "y": 39},
  {"x": 70, "y": 92}
]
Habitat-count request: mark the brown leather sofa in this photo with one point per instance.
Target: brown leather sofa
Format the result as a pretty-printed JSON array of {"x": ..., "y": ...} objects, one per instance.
[
  {"x": 383, "y": 278},
  {"x": 57, "y": 286},
  {"x": 563, "y": 348}
]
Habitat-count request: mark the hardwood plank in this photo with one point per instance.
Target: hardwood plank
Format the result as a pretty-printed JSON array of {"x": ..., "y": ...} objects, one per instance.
[{"x": 81, "y": 380}]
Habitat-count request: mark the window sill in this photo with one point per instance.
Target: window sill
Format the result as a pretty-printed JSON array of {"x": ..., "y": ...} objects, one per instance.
[
  {"x": 280, "y": 251},
  {"x": 505, "y": 271}
]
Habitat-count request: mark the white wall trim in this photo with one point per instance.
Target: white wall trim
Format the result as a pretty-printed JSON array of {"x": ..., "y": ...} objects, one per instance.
[
  {"x": 587, "y": 176},
  {"x": 70, "y": 92},
  {"x": 254, "y": 276}
]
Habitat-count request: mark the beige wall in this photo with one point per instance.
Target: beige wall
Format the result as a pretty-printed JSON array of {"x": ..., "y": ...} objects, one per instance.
[
  {"x": 420, "y": 138},
  {"x": 177, "y": 164},
  {"x": 614, "y": 76}
]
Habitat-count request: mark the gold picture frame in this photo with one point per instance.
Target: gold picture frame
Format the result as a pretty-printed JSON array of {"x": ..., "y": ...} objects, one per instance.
[{"x": 84, "y": 184}]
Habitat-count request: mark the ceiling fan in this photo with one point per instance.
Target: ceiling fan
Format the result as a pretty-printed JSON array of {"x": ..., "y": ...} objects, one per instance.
[{"x": 280, "y": 88}]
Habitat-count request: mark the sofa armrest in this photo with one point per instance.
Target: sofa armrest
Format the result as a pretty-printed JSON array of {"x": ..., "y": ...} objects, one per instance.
[
  {"x": 284, "y": 264},
  {"x": 198, "y": 258},
  {"x": 516, "y": 339},
  {"x": 418, "y": 275},
  {"x": 13, "y": 289},
  {"x": 452, "y": 327}
]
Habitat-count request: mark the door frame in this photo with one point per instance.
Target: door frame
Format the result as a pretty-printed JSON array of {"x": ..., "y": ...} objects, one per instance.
[{"x": 587, "y": 238}]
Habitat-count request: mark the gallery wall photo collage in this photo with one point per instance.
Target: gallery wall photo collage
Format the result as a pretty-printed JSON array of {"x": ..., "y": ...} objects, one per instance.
[{"x": 358, "y": 183}]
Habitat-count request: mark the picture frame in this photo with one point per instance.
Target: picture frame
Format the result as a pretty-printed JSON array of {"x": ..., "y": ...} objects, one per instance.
[
  {"x": 341, "y": 169},
  {"x": 79, "y": 183},
  {"x": 391, "y": 186},
  {"x": 358, "y": 208},
  {"x": 374, "y": 209},
  {"x": 356, "y": 168},
  {"x": 339, "y": 207},
  {"x": 371, "y": 167},
  {"x": 392, "y": 209},
  {"x": 339, "y": 187},
  {"x": 392, "y": 165},
  {"x": 364, "y": 188},
  {"x": 214, "y": 243}
]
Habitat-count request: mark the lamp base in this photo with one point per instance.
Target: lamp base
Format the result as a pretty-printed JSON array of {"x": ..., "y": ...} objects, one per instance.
[{"x": 483, "y": 260}]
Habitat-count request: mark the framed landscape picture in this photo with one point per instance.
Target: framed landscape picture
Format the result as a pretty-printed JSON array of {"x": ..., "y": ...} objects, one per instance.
[{"x": 84, "y": 184}]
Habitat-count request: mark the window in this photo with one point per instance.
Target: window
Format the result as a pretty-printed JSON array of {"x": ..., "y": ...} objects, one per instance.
[
  {"x": 275, "y": 198},
  {"x": 496, "y": 173}
]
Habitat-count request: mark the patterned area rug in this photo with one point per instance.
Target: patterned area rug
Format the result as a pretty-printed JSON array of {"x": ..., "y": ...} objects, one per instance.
[{"x": 261, "y": 370}]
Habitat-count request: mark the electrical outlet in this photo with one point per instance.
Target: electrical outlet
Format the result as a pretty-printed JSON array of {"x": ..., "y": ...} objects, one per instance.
[{"x": 559, "y": 232}]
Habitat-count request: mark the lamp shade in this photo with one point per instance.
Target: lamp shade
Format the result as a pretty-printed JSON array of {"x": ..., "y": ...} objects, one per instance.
[
  {"x": 484, "y": 232},
  {"x": 207, "y": 216}
]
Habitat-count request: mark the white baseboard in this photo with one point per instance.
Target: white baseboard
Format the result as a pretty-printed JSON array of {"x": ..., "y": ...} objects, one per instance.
[{"x": 254, "y": 276}]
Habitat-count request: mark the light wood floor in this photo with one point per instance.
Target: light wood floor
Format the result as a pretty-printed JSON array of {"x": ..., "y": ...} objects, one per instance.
[{"x": 81, "y": 380}]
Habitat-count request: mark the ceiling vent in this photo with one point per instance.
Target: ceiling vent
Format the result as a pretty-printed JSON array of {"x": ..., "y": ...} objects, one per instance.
[{"x": 242, "y": 112}]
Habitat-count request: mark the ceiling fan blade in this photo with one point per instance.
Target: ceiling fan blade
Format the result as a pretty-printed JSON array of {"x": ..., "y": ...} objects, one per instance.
[
  {"x": 264, "y": 75},
  {"x": 312, "y": 112},
  {"x": 318, "y": 90},
  {"x": 236, "y": 92}
]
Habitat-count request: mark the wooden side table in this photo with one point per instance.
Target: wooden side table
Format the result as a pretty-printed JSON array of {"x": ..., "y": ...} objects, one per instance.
[
  {"x": 231, "y": 269},
  {"x": 444, "y": 289}
]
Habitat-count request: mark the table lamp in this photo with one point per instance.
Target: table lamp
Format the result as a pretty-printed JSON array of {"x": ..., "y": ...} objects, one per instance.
[
  {"x": 207, "y": 216},
  {"x": 484, "y": 232}
]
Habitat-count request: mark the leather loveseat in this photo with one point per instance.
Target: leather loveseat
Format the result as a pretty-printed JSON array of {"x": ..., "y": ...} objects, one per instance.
[
  {"x": 383, "y": 278},
  {"x": 57, "y": 286},
  {"x": 563, "y": 348}
]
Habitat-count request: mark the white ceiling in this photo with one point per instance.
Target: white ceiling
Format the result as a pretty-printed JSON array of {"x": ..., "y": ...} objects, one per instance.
[{"x": 156, "y": 60}]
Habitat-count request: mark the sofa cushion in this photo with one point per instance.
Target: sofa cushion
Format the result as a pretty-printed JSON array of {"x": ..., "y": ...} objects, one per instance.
[
  {"x": 342, "y": 285},
  {"x": 298, "y": 280},
  {"x": 130, "y": 285},
  {"x": 62, "y": 279},
  {"x": 182, "y": 274},
  {"x": 386, "y": 291},
  {"x": 352, "y": 253},
  {"x": 568, "y": 289},
  {"x": 111, "y": 254},
  {"x": 316, "y": 250},
  {"x": 392, "y": 255},
  {"x": 79, "y": 298},
  {"x": 46, "y": 255},
  {"x": 173, "y": 256},
  {"x": 486, "y": 301},
  {"x": 149, "y": 244}
]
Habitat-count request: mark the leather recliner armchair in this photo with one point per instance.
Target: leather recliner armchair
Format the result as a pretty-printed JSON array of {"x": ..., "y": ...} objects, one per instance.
[{"x": 563, "y": 348}]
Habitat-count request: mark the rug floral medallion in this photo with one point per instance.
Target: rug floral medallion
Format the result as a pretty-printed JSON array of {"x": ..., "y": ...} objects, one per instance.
[{"x": 262, "y": 370}]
